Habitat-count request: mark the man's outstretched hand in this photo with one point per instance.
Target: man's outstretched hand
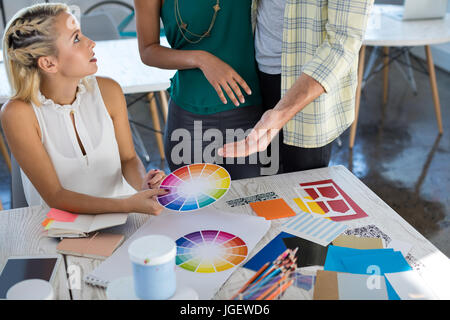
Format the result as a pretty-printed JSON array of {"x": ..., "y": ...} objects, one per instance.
[{"x": 259, "y": 138}]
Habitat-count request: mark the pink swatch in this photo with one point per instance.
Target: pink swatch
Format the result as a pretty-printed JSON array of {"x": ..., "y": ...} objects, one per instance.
[{"x": 61, "y": 216}]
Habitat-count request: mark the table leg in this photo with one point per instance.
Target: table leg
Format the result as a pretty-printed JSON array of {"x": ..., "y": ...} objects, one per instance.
[
  {"x": 4, "y": 152},
  {"x": 385, "y": 74},
  {"x": 1, "y": 206},
  {"x": 164, "y": 104},
  {"x": 156, "y": 124},
  {"x": 362, "y": 54},
  {"x": 434, "y": 88}
]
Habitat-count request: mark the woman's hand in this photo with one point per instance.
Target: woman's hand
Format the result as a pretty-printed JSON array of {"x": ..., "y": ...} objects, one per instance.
[
  {"x": 223, "y": 78},
  {"x": 145, "y": 201},
  {"x": 153, "y": 179}
]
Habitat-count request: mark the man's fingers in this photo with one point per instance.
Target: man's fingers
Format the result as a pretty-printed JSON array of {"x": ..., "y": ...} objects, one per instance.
[{"x": 258, "y": 140}]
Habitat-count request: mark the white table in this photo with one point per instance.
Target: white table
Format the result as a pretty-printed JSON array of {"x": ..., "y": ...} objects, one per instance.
[
  {"x": 119, "y": 60},
  {"x": 22, "y": 234},
  {"x": 385, "y": 30}
]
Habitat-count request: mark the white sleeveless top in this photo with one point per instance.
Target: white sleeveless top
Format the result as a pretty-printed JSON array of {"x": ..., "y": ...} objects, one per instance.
[{"x": 98, "y": 173}]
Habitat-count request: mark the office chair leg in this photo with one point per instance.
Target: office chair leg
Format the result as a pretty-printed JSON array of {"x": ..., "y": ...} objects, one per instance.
[
  {"x": 4, "y": 151},
  {"x": 434, "y": 88},
  {"x": 362, "y": 54},
  {"x": 156, "y": 124}
]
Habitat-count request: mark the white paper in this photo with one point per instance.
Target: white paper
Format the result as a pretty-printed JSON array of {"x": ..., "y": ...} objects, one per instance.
[
  {"x": 409, "y": 285},
  {"x": 175, "y": 225},
  {"x": 361, "y": 287},
  {"x": 401, "y": 246}
]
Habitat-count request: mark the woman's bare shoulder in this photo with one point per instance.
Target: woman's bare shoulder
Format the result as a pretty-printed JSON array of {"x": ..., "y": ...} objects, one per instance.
[{"x": 16, "y": 110}]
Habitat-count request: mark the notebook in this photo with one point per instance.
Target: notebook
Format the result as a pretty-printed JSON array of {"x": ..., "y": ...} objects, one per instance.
[
  {"x": 227, "y": 231},
  {"x": 59, "y": 223},
  {"x": 97, "y": 246}
]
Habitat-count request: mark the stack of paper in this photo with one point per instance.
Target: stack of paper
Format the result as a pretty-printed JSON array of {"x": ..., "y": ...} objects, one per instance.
[
  {"x": 401, "y": 282},
  {"x": 60, "y": 223},
  {"x": 313, "y": 228},
  {"x": 332, "y": 285}
]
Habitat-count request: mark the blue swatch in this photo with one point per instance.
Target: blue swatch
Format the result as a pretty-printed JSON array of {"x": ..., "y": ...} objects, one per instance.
[{"x": 370, "y": 261}]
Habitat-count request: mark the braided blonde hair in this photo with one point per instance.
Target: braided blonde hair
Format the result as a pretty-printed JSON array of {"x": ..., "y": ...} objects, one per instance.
[{"x": 28, "y": 36}]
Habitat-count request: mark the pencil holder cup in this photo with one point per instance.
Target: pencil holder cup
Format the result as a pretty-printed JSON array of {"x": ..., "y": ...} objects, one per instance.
[{"x": 153, "y": 261}]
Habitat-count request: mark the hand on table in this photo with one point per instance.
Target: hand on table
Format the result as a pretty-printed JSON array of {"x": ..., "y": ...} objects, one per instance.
[{"x": 259, "y": 138}]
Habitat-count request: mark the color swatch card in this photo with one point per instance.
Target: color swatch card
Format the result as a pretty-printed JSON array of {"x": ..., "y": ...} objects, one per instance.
[
  {"x": 313, "y": 228},
  {"x": 332, "y": 285},
  {"x": 327, "y": 199},
  {"x": 194, "y": 186},
  {"x": 358, "y": 242},
  {"x": 272, "y": 209}
]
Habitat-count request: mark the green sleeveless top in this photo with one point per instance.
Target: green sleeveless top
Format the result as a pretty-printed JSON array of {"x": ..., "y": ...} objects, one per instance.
[{"x": 231, "y": 40}]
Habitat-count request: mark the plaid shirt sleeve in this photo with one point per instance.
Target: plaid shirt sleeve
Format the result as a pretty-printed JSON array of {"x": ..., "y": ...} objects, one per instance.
[
  {"x": 322, "y": 39},
  {"x": 345, "y": 26}
]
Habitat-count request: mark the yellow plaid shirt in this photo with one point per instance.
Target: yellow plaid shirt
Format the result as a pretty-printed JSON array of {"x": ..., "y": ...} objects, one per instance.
[{"x": 322, "y": 38}]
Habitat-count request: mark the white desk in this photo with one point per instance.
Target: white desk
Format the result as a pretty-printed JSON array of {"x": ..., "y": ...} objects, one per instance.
[
  {"x": 119, "y": 60},
  {"x": 385, "y": 30},
  {"x": 22, "y": 234}
]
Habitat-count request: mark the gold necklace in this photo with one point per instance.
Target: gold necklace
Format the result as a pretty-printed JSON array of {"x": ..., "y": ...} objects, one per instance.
[{"x": 182, "y": 26}]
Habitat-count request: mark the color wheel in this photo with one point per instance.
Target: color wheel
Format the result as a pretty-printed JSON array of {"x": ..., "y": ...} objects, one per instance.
[
  {"x": 194, "y": 186},
  {"x": 209, "y": 251}
]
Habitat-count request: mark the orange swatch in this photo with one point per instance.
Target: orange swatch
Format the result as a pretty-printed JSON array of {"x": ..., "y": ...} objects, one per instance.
[{"x": 272, "y": 209}]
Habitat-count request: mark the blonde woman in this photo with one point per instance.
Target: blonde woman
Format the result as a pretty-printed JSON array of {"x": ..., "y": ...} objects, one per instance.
[{"x": 68, "y": 129}]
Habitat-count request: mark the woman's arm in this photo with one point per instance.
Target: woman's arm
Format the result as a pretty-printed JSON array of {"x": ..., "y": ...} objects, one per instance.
[
  {"x": 221, "y": 76},
  {"x": 132, "y": 168},
  {"x": 23, "y": 135}
]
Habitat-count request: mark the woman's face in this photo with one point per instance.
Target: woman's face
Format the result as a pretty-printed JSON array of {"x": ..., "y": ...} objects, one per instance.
[{"x": 75, "y": 51}]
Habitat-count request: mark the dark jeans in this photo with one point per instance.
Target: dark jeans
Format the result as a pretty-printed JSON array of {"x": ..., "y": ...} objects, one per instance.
[
  {"x": 199, "y": 141},
  {"x": 291, "y": 158}
]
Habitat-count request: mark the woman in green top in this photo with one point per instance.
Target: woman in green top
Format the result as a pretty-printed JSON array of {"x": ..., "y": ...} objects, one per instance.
[{"x": 216, "y": 86}]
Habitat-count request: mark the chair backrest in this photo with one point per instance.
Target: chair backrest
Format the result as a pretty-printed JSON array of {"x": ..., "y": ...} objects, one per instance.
[
  {"x": 18, "y": 199},
  {"x": 99, "y": 26}
]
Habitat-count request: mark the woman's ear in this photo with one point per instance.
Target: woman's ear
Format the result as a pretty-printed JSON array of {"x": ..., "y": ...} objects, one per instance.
[{"x": 48, "y": 64}]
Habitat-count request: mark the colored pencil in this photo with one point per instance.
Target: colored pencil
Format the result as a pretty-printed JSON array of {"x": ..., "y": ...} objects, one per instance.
[
  {"x": 279, "y": 291},
  {"x": 261, "y": 270},
  {"x": 272, "y": 287},
  {"x": 252, "y": 289}
]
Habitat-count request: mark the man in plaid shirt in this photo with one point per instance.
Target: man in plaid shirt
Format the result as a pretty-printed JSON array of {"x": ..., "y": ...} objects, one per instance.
[{"x": 307, "y": 54}]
